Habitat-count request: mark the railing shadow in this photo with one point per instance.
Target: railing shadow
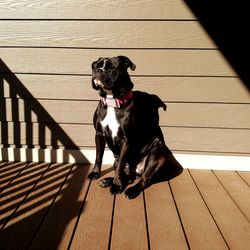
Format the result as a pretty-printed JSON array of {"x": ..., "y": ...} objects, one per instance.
[
  {"x": 40, "y": 208},
  {"x": 18, "y": 90},
  {"x": 35, "y": 196},
  {"x": 227, "y": 23}
]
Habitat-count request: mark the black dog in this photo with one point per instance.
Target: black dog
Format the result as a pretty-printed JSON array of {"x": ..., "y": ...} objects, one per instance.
[{"x": 128, "y": 122}]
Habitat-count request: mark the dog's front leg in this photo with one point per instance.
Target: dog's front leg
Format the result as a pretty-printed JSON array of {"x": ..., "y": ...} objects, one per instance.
[
  {"x": 119, "y": 183},
  {"x": 100, "y": 146}
]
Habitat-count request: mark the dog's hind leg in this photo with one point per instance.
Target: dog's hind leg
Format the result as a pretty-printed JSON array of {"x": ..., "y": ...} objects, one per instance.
[
  {"x": 160, "y": 165},
  {"x": 144, "y": 182},
  {"x": 154, "y": 162}
]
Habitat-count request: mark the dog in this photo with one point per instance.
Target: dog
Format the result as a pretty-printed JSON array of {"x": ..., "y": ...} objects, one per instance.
[{"x": 128, "y": 122}]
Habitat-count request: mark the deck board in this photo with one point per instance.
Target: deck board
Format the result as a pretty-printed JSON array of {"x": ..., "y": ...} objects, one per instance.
[
  {"x": 93, "y": 228},
  {"x": 245, "y": 176},
  {"x": 163, "y": 221},
  {"x": 54, "y": 206},
  {"x": 19, "y": 231},
  {"x": 195, "y": 216},
  {"x": 129, "y": 227},
  {"x": 56, "y": 230},
  {"x": 229, "y": 218},
  {"x": 13, "y": 195},
  {"x": 237, "y": 189},
  {"x": 9, "y": 172}
]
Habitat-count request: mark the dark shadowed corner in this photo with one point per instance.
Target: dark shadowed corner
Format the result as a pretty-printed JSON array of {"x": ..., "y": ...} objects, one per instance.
[{"x": 227, "y": 23}]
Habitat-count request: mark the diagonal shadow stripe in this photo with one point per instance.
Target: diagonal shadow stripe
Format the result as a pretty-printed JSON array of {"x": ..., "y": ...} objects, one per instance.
[{"x": 227, "y": 23}]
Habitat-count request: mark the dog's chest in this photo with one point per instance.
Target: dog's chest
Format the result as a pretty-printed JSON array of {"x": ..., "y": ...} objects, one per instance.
[{"x": 110, "y": 121}]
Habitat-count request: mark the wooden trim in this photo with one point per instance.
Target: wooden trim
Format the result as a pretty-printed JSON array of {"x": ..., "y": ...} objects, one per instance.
[{"x": 190, "y": 161}]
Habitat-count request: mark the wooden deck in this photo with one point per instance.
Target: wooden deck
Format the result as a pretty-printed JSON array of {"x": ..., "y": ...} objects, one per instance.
[{"x": 53, "y": 206}]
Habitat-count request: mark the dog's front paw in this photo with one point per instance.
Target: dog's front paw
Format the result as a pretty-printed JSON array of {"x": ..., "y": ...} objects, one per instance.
[
  {"x": 93, "y": 175},
  {"x": 132, "y": 192}
]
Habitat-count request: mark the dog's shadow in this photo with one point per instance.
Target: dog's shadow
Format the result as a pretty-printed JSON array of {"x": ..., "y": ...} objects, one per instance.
[
  {"x": 106, "y": 171},
  {"x": 171, "y": 174}
]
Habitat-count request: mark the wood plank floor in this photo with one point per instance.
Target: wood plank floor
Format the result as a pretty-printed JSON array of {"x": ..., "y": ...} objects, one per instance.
[{"x": 53, "y": 206}]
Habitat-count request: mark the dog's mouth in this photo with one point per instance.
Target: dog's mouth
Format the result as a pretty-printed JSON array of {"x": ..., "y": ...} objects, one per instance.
[
  {"x": 102, "y": 84},
  {"x": 98, "y": 83}
]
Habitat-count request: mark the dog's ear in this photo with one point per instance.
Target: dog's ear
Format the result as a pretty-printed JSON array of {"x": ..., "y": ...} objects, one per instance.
[
  {"x": 93, "y": 65},
  {"x": 127, "y": 62}
]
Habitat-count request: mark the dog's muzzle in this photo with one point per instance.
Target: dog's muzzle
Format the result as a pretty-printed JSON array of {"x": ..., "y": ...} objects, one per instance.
[{"x": 98, "y": 82}]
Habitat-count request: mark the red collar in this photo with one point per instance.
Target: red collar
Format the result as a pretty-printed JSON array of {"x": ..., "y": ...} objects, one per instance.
[{"x": 116, "y": 102}]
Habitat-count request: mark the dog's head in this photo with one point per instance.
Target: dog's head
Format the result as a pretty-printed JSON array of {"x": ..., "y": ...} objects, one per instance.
[{"x": 110, "y": 76}]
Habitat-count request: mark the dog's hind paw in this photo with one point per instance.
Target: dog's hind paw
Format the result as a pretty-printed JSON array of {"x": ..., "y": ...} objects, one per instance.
[
  {"x": 93, "y": 176},
  {"x": 106, "y": 182},
  {"x": 116, "y": 189}
]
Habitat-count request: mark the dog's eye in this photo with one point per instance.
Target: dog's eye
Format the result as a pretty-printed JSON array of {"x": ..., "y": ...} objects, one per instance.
[{"x": 99, "y": 64}]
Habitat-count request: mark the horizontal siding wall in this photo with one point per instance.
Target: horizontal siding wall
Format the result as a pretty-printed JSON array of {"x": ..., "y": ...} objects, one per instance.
[
  {"x": 46, "y": 49},
  {"x": 95, "y": 9}
]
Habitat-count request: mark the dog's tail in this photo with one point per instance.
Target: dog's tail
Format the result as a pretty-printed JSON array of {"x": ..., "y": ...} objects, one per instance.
[{"x": 164, "y": 106}]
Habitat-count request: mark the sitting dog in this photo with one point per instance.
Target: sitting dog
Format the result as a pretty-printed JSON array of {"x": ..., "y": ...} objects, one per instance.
[{"x": 128, "y": 121}]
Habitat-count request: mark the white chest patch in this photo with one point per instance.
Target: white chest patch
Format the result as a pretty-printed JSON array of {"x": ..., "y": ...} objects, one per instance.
[{"x": 110, "y": 121}]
